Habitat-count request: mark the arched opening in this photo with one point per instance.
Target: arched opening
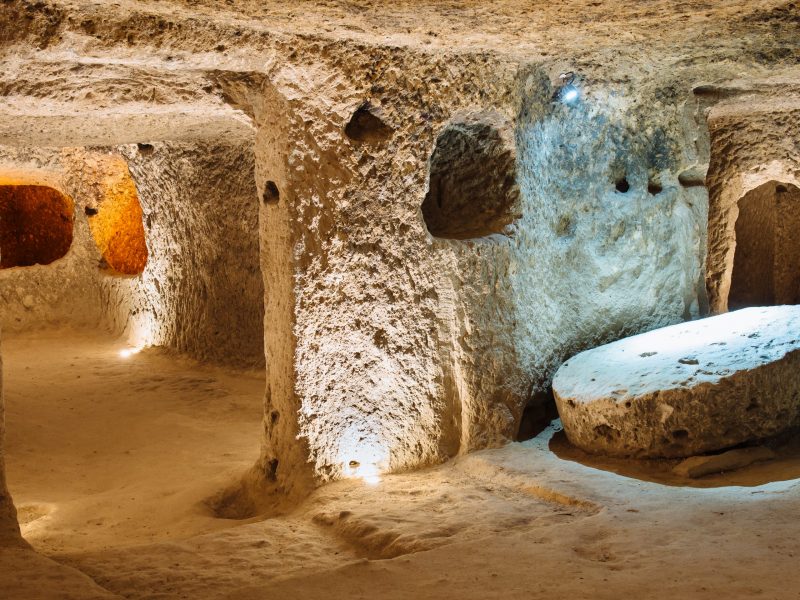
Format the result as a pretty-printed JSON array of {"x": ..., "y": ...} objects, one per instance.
[
  {"x": 116, "y": 224},
  {"x": 35, "y": 225},
  {"x": 90, "y": 410},
  {"x": 472, "y": 188},
  {"x": 766, "y": 264}
]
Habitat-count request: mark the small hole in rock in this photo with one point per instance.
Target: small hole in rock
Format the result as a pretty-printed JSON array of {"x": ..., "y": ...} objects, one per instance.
[
  {"x": 90, "y": 211},
  {"x": 654, "y": 188},
  {"x": 680, "y": 434},
  {"x": 145, "y": 149},
  {"x": 271, "y": 193},
  {"x": 607, "y": 432},
  {"x": 366, "y": 125},
  {"x": 272, "y": 469},
  {"x": 622, "y": 185}
]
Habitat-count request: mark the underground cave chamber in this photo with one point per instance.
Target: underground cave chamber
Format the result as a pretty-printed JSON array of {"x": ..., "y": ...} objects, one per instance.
[
  {"x": 286, "y": 290},
  {"x": 118, "y": 253}
]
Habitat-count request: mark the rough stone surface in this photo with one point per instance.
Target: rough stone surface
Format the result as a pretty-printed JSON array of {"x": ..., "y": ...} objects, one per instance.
[
  {"x": 472, "y": 185},
  {"x": 685, "y": 389},
  {"x": 201, "y": 289},
  {"x": 384, "y": 345},
  {"x": 753, "y": 149},
  {"x": 9, "y": 530}
]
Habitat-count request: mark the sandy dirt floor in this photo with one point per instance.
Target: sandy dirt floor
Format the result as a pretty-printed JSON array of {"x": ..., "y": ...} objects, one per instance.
[
  {"x": 110, "y": 459},
  {"x": 104, "y": 448}
]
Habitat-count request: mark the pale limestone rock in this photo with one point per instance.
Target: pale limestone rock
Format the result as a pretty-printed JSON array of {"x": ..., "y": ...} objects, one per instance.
[
  {"x": 685, "y": 389},
  {"x": 387, "y": 346}
]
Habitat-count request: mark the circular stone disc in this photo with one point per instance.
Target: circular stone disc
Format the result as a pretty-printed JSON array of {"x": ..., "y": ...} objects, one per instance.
[{"x": 685, "y": 389}]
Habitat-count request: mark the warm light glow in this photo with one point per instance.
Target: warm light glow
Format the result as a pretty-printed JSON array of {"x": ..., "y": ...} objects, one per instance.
[
  {"x": 128, "y": 352},
  {"x": 362, "y": 458},
  {"x": 116, "y": 221},
  {"x": 35, "y": 225},
  {"x": 369, "y": 473}
]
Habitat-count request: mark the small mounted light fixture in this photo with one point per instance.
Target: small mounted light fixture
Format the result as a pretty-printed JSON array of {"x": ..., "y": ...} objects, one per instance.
[{"x": 567, "y": 92}]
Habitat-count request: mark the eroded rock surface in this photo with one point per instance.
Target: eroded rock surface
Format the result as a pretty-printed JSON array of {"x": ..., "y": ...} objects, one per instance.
[
  {"x": 283, "y": 159},
  {"x": 685, "y": 389}
]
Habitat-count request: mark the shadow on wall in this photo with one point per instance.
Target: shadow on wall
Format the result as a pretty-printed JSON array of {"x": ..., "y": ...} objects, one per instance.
[
  {"x": 766, "y": 264},
  {"x": 35, "y": 225},
  {"x": 471, "y": 204},
  {"x": 472, "y": 188}
]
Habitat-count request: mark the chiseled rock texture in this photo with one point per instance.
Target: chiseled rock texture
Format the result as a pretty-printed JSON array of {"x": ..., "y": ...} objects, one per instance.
[
  {"x": 398, "y": 331},
  {"x": 754, "y": 132},
  {"x": 201, "y": 289},
  {"x": 685, "y": 389}
]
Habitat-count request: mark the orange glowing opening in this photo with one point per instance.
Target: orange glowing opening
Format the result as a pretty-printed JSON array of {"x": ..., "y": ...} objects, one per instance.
[
  {"x": 35, "y": 225},
  {"x": 116, "y": 223}
]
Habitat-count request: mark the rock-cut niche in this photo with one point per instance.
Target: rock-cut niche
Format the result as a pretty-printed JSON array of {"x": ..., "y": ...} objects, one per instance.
[
  {"x": 472, "y": 189},
  {"x": 766, "y": 263},
  {"x": 36, "y": 224},
  {"x": 116, "y": 223}
]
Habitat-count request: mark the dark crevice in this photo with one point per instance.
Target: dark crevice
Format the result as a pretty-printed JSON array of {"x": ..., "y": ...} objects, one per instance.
[
  {"x": 472, "y": 189},
  {"x": 366, "y": 125},
  {"x": 271, "y": 193},
  {"x": 654, "y": 188},
  {"x": 540, "y": 412}
]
